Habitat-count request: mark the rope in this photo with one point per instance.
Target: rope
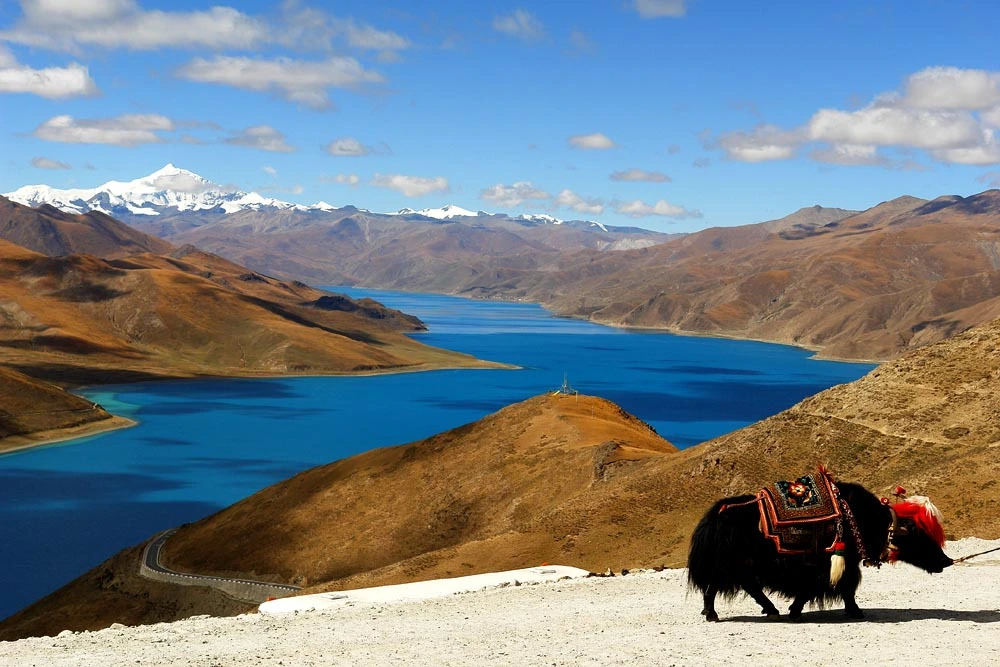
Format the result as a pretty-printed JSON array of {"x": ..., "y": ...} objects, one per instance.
[{"x": 965, "y": 558}]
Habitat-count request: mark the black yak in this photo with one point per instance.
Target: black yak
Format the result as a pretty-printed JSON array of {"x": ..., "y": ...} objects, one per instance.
[{"x": 733, "y": 550}]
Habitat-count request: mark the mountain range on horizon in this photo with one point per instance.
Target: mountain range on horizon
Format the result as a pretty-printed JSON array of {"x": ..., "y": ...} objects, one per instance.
[{"x": 172, "y": 190}]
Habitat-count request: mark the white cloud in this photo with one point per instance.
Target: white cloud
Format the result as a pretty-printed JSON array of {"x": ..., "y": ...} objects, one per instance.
[
  {"x": 588, "y": 205},
  {"x": 261, "y": 137},
  {"x": 951, "y": 88},
  {"x": 411, "y": 186},
  {"x": 348, "y": 147},
  {"x": 304, "y": 82},
  {"x": 508, "y": 196},
  {"x": 67, "y": 25},
  {"x": 984, "y": 153},
  {"x": 991, "y": 118},
  {"x": 951, "y": 113},
  {"x": 595, "y": 141},
  {"x": 889, "y": 126},
  {"x": 46, "y": 163},
  {"x": 124, "y": 130},
  {"x": 849, "y": 154},
  {"x": 654, "y": 9},
  {"x": 640, "y": 175},
  {"x": 520, "y": 24},
  {"x": 763, "y": 143},
  {"x": 51, "y": 82},
  {"x": 268, "y": 169},
  {"x": 640, "y": 209},
  {"x": 990, "y": 179}
]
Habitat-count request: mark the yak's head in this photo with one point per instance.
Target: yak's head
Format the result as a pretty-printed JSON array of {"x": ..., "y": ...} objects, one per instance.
[{"x": 919, "y": 536}]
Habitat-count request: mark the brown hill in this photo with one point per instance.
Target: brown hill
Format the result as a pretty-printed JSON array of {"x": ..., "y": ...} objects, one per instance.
[
  {"x": 33, "y": 411},
  {"x": 540, "y": 481},
  {"x": 869, "y": 286},
  {"x": 350, "y": 246},
  {"x": 52, "y": 232},
  {"x": 80, "y": 318}
]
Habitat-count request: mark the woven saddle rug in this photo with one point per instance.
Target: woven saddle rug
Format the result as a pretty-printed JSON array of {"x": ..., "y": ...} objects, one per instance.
[{"x": 800, "y": 516}]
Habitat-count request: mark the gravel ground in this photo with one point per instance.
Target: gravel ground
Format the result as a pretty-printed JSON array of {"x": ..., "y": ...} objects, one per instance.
[{"x": 641, "y": 619}]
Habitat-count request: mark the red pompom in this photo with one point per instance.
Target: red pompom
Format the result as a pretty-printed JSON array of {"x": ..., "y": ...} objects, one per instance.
[
  {"x": 884, "y": 500},
  {"x": 900, "y": 491},
  {"x": 838, "y": 546}
]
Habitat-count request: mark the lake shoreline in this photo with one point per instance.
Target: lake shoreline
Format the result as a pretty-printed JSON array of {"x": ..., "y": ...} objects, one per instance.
[{"x": 27, "y": 441}]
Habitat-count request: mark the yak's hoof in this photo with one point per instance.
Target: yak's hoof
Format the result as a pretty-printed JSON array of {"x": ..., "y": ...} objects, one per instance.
[
  {"x": 854, "y": 613},
  {"x": 771, "y": 613},
  {"x": 710, "y": 615}
]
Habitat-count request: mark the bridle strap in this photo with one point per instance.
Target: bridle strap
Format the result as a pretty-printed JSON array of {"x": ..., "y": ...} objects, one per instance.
[{"x": 890, "y": 545}]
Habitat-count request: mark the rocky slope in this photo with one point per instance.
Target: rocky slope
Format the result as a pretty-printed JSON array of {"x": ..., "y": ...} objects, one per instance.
[
  {"x": 33, "y": 410},
  {"x": 575, "y": 481},
  {"x": 869, "y": 286}
]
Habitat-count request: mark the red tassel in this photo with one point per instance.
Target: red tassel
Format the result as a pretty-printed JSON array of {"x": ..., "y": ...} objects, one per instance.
[
  {"x": 838, "y": 547},
  {"x": 899, "y": 492}
]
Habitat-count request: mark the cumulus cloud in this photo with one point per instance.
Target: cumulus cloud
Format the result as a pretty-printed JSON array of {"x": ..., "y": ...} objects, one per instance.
[
  {"x": 655, "y": 9},
  {"x": 984, "y": 153},
  {"x": 261, "y": 137},
  {"x": 411, "y": 186},
  {"x": 764, "y": 142},
  {"x": 521, "y": 24},
  {"x": 268, "y": 169},
  {"x": 124, "y": 130},
  {"x": 301, "y": 81},
  {"x": 951, "y": 88},
  {"x": 640, "y": 209},
  {"x": 51, "y": 82},
  {"x": 587, "y": 205},
  {"x": 509, "y": 196},
  {"x": 350, "y": 147},
  {"x": 640, "y": 175},
  {"x": 950, "y": 113},
  {"x": 595, "y": 141},
  {"x": 889, "y": 126},
  {"x": 46, "y": 163},
  {"x": 68, "y": 25}
]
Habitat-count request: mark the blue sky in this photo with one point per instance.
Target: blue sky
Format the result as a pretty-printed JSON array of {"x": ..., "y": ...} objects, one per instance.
[{"x": 668, "y": 114}]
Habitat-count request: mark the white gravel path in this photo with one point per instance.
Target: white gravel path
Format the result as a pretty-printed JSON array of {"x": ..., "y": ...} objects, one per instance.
[{"x": 641, "y": 619}]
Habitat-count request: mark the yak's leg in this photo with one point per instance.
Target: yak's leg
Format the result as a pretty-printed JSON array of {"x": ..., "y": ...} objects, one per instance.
[
  {"x": 709, "y": 609},
  {"x": 753, "y": 590},
  {"x": 846, "y": 587},
  {"x": 795, "y": 611}
]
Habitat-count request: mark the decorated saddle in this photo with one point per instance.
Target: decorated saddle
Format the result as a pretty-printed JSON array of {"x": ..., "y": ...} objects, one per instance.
[{"x": 801, "y": 516}]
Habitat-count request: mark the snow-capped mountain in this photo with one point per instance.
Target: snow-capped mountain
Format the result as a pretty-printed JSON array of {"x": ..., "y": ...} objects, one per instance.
[
  {"x": 446, "y": 212},
  {"x": 540, "y": 217},
  {"x": 168, "y": 189}
]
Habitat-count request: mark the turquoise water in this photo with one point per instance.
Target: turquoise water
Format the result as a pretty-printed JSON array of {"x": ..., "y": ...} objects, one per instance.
[{"x": 204, "y": 444}]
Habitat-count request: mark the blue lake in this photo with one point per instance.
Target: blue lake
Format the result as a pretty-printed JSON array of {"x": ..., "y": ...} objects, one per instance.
[{"x": 204, "y": 444}]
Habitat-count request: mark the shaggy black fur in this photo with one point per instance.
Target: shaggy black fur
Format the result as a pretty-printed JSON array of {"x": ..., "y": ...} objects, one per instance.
[{"x": 729, "y": 556}]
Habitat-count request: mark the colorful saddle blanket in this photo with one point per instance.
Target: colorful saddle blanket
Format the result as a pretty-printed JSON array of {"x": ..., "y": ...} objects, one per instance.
[{"x": 800, "y": 516}]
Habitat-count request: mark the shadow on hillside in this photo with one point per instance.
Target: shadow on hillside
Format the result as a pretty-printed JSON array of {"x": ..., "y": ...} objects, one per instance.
[{"x": 878, "y": 615}]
